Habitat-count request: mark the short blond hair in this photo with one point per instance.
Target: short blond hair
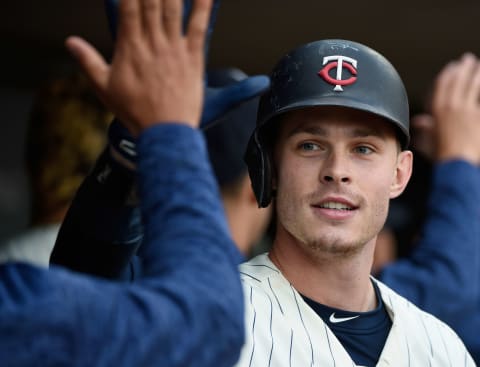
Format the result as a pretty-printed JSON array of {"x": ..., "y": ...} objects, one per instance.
[{"x": 66, "y": 132}]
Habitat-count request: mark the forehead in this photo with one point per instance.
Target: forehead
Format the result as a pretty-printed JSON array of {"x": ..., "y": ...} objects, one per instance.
[{"x": 322, "y": 120}]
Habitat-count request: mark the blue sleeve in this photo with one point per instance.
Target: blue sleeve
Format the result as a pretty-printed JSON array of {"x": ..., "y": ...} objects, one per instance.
[
  {"x": 103, "y": 227},
  {"x": 188, "y": 194},
  {"x": 185, "y": 310},
  {"x": 442, "y": 274}
]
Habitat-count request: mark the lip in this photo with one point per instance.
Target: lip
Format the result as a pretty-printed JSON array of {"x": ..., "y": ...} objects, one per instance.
[{"x": 334, "y": 214}]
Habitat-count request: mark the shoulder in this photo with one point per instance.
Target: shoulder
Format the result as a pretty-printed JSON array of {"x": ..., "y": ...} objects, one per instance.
[
  {"x": 421, "y": 332},
  {"x": 258, "y": 270},
  {"x": 264, "y": 285},
  {"x": 399, "y": 307}
]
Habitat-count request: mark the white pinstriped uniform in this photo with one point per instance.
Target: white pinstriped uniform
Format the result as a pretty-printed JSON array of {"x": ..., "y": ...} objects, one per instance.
[{"x": 282, "y": 330}]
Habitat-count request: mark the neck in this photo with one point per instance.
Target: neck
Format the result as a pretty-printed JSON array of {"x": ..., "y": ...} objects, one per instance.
[
  {"x": 239, "y": 225},
  {"x": 341, "y": 282}
]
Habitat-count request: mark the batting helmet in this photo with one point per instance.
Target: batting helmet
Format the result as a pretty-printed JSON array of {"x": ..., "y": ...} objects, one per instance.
[{"x": 325, "y": 73}]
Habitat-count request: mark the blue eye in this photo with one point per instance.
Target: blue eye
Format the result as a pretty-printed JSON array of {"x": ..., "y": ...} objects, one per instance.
[
  {"x": 363, "y": 149},
  {"x": 309, "y": 146}
]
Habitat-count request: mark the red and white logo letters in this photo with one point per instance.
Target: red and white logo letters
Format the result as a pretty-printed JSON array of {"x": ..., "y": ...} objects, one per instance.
[{"x": 338, "y": 62}]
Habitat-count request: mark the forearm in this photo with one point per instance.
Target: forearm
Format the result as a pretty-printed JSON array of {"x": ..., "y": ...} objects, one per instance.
[
  {"x": 189, "y": 292},
  {"x": 187, "y": 193},
  {"x": 187, "y": 251},
  {"x": 101, "y": 230}
]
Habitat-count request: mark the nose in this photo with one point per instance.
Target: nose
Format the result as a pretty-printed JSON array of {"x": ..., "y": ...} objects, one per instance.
[{"x": 335, "y": 168}]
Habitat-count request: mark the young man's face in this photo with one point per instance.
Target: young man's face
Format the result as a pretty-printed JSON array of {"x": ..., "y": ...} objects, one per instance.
[{"x": 336, "y": 170}]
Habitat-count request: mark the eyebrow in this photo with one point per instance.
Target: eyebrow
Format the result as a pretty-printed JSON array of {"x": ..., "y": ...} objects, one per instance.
[
  {"x": 314, "y": 130},
  {"x": 356, "y": 133}
]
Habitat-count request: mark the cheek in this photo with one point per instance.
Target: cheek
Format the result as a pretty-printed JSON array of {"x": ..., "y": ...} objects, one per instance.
[
  {"x": 383, "y": 178},
  {"x": 291, "y": 185},
  {"x": 382, "y": 185},
  {"x": 295, "y": 177},
  {"x": 380, "y": 194}
]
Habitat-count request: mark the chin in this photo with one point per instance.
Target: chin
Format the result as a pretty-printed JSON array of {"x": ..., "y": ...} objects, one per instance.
[{"x": 331, "y": 246}]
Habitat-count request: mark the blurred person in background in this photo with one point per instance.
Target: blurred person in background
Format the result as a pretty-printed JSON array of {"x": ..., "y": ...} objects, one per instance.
[
  {"x": 227, "y": 141},
  {"x": 66, "y": 132}
]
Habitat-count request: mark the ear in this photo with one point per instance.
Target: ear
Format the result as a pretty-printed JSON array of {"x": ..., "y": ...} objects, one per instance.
[
  {"x": 273, "y": 180},
  {"x": 247, "y": 191},
  {"x": 403, "y": 172}
]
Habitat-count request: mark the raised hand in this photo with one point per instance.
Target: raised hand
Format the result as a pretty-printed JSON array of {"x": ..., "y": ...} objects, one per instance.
[
  {"x": 218, "y": 101},
  {"x": 156, "y": 74},
  {"x": 456, "y": 110}
]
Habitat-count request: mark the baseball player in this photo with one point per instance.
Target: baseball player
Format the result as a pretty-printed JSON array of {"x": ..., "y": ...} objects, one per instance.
[{"x": 330, "y": 152}]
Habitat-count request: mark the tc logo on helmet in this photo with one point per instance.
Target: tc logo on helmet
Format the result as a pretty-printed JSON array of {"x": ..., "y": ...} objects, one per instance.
[{"x": 339, "y": 62}]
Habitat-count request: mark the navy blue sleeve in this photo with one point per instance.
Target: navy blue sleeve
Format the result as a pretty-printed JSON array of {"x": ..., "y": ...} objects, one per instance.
[
  {"x": 185, "y": 310},
  {"x": 442, "y": 274},
  {"x": 103, "y": 227}
]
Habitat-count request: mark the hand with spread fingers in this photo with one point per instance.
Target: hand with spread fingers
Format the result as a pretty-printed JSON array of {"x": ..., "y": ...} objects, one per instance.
[
  {"x": 156, "y": 74},
  {"x": 456, "y": 110}
]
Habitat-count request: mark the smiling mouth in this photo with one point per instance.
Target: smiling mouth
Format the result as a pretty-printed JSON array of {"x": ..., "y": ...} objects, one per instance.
[{"x": 334, "y": 205}]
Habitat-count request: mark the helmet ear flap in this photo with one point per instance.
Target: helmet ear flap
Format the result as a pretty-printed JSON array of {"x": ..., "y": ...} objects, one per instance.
[{"x": 260, "y": 170}]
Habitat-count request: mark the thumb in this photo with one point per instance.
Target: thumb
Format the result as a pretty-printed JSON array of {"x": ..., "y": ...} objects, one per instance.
[
  {"x": 91, "y": 62},
  {"x": 219, "y": 101}
]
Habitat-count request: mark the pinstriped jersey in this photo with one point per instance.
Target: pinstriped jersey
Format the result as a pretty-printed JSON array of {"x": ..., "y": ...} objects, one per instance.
[{"x": 283, "y": 331}]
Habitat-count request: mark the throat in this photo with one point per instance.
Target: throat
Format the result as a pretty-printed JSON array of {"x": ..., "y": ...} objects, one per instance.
[{"x": 344, "y": 286}]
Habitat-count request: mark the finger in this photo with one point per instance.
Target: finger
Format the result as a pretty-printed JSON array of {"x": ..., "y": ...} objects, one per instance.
[
  {"x": 187, "y": 8},
  {"x": 462, "y": 78},
  {"x": 172, "y": 18},
  {"x": 198, "y": 25},
  {"x": 473, "y": 91},
  {"x": 129, "y": 19},
  {"x": 91, "y": 62},
  {"x": 442, "y": 91},
  {"x": 151, "y": 13}
]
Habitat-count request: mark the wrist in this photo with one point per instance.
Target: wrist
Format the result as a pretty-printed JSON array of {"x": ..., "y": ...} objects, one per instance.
[
  {"x": 115, "y": 181},
  {"x": 122, "y": 146},
  {"x": 446, "y": 154}
]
